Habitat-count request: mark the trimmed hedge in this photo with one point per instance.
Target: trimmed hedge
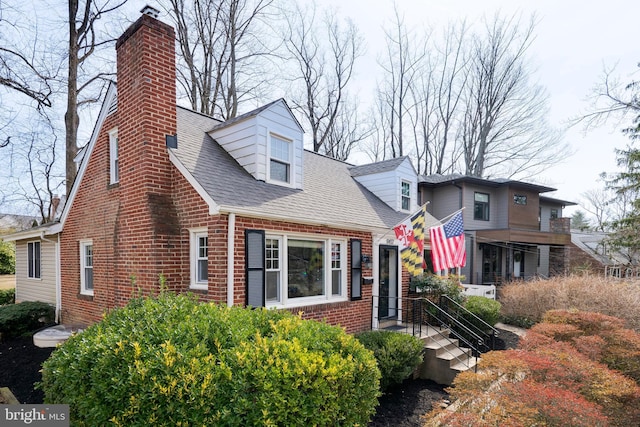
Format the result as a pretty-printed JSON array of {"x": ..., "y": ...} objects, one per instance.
[
  {"x": 173, "y": 361},
  {"x": 24, "y": 318},
  {"x": 485, "y": 308},
  {"x": 398, "y": 355}
]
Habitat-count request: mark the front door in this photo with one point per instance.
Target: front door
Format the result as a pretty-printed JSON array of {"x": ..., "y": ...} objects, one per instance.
[
  {"x": 388, "y": 301},
  {"x": 491, "y": 264}
]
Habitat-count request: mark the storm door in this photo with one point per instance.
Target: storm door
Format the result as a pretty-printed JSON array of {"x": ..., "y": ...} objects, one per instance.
[{"x": 388, "y": 301}]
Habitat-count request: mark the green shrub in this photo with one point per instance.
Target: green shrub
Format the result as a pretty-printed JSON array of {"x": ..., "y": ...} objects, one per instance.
[
  {"x": 173, "y": 361},
  {"x": 398, "y": 355},
  {"x": 24, "y": 318},
  {"x": 7, "y": 257},
  {"x": 520, "y": 321},
  {"x": 7, "y": 296},
  {"x": 433, "y": 287},
  {"x": 485, "y": 308}
]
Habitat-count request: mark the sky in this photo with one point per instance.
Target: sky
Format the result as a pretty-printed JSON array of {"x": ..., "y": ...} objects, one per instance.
[{"x": 575, "y": 41}]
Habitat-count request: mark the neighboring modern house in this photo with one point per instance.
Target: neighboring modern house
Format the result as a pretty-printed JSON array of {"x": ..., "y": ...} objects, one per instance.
[
  {"x": 235, "y": 212},
  {"x": 511, "y": 230}
]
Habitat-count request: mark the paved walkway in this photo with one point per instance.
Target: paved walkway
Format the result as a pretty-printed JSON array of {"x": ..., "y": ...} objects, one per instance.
[{"x": 516, "y": 330}]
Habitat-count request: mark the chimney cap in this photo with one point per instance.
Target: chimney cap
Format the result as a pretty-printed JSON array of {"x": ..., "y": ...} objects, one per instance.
[{"x": 151, "y": 11}]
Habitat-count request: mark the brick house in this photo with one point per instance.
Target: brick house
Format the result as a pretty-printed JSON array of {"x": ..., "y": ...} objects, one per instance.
[{"x": 236, "y": 212}]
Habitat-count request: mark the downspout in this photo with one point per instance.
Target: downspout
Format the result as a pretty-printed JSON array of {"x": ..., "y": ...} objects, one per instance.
[
  {"x": 473, "y": 249},
  {"x": 56, "y": 245},
  {"x": 231, "y": 228}
]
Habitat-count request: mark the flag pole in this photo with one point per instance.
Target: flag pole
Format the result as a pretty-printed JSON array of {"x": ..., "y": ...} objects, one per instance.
[{"x": 408, "y": 216}]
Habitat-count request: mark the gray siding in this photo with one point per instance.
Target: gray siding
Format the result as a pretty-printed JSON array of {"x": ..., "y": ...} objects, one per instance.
[
  {"x": 247, "y": 141},
  {"x": 387, "y": 185}
]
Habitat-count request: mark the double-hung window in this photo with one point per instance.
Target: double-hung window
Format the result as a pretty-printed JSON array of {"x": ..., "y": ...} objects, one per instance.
[
  {"x": 280, "y": 159},
  {"x": 481, "y": 206},
  {"x": 33, "y": 260},
  {"x": 273, "y": 267},
  {"x": 199, "y": 258},
  {"x": 302, "y": 270},
  {"x": 86, "y": 267},
  {"x": 406, "y": 195},
  {"x": 114, "y": 173}
]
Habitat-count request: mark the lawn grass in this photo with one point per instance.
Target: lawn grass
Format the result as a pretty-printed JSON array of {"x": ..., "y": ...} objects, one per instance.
[{"x": 7, "y": 281}]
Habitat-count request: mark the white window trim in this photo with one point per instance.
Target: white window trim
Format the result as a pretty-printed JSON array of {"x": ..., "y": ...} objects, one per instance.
[
  {"x": 194, "y": 235},
  {"x": 114, "y": 172},
  {"x": 327, "y": 297},
  {"x": 291, "y": 162},
  {"x": 404, "y": 181},
  {"x": 39, "y": 259},
  {"x": 280, "y": 270},
  {"x": 83, "y": 285}
]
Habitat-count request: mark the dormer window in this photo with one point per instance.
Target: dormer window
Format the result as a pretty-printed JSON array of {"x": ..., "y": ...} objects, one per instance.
[
  {"x": 406, "y": 195},
  {"x": 280, "y": 160}
]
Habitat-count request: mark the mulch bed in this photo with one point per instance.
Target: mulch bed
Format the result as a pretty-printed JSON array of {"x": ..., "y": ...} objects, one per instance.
[
  {"x": 20, "y": 363},
  {"x": 402, "y": 406}
]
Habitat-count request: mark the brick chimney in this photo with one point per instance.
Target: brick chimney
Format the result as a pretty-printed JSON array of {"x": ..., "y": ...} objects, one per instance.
[{"x": 147, "y": 219}]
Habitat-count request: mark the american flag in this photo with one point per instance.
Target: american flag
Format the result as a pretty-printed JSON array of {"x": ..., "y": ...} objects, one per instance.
[{"x": 448, "y": 244}]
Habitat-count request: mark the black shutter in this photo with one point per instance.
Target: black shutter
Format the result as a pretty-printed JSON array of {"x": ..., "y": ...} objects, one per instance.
[
  {"x": 254, "y": 261},
  {"x": 356, "y": 269}
]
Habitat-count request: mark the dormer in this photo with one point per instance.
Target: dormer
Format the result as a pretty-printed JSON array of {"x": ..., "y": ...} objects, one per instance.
[
  {"x": 266, "y": 142},
  {"x": 394, "y": 181}
]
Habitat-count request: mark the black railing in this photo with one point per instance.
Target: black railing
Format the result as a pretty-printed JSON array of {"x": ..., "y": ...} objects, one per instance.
[
  {"x": 418, "y": 316},
  {"x": 471, "y": 322}
]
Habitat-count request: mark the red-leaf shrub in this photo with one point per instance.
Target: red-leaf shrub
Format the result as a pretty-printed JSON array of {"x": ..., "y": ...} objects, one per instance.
[{"x": 560, "y": 375}]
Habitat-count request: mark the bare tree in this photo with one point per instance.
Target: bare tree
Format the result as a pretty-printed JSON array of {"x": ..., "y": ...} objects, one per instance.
[
  {"x": 23, "y": 68},
  {"x": 598, "y": 203},
  {"x": 31, "y": 171},
  {"x": 324, "y": 56},
  {"x": 438, "y": 95},
  {"x": 221, "y": 43},
  {"x": 401, "y": 66},
  {"x": 612, "y": 100},
  {"x": 504, "y": 125},
  {"x": 347, "y": 132},
  {"x": 83, "y": 18}
]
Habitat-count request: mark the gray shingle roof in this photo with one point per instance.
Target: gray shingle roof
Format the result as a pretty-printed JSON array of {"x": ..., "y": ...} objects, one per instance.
[
  {"x": 438, "y": 179},
  {"x": 330, "y": 196},
  {"x": 378, "y": 167}
]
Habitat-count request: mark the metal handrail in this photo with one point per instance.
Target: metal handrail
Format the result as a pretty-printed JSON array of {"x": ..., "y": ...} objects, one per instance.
[
  {"x": 419, "y": 310},
  {"x": 447, "y": 301},
  {"x": 451, "y": 323}
]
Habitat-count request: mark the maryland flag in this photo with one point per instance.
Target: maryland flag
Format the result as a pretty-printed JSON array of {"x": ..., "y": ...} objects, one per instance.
[{"x": 410, "y": 233}]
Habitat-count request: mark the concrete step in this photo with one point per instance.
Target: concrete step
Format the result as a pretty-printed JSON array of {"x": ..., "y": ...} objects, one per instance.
[
  {"x": 453, "y": 354},
  {"x": 468, "y": 364}
]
